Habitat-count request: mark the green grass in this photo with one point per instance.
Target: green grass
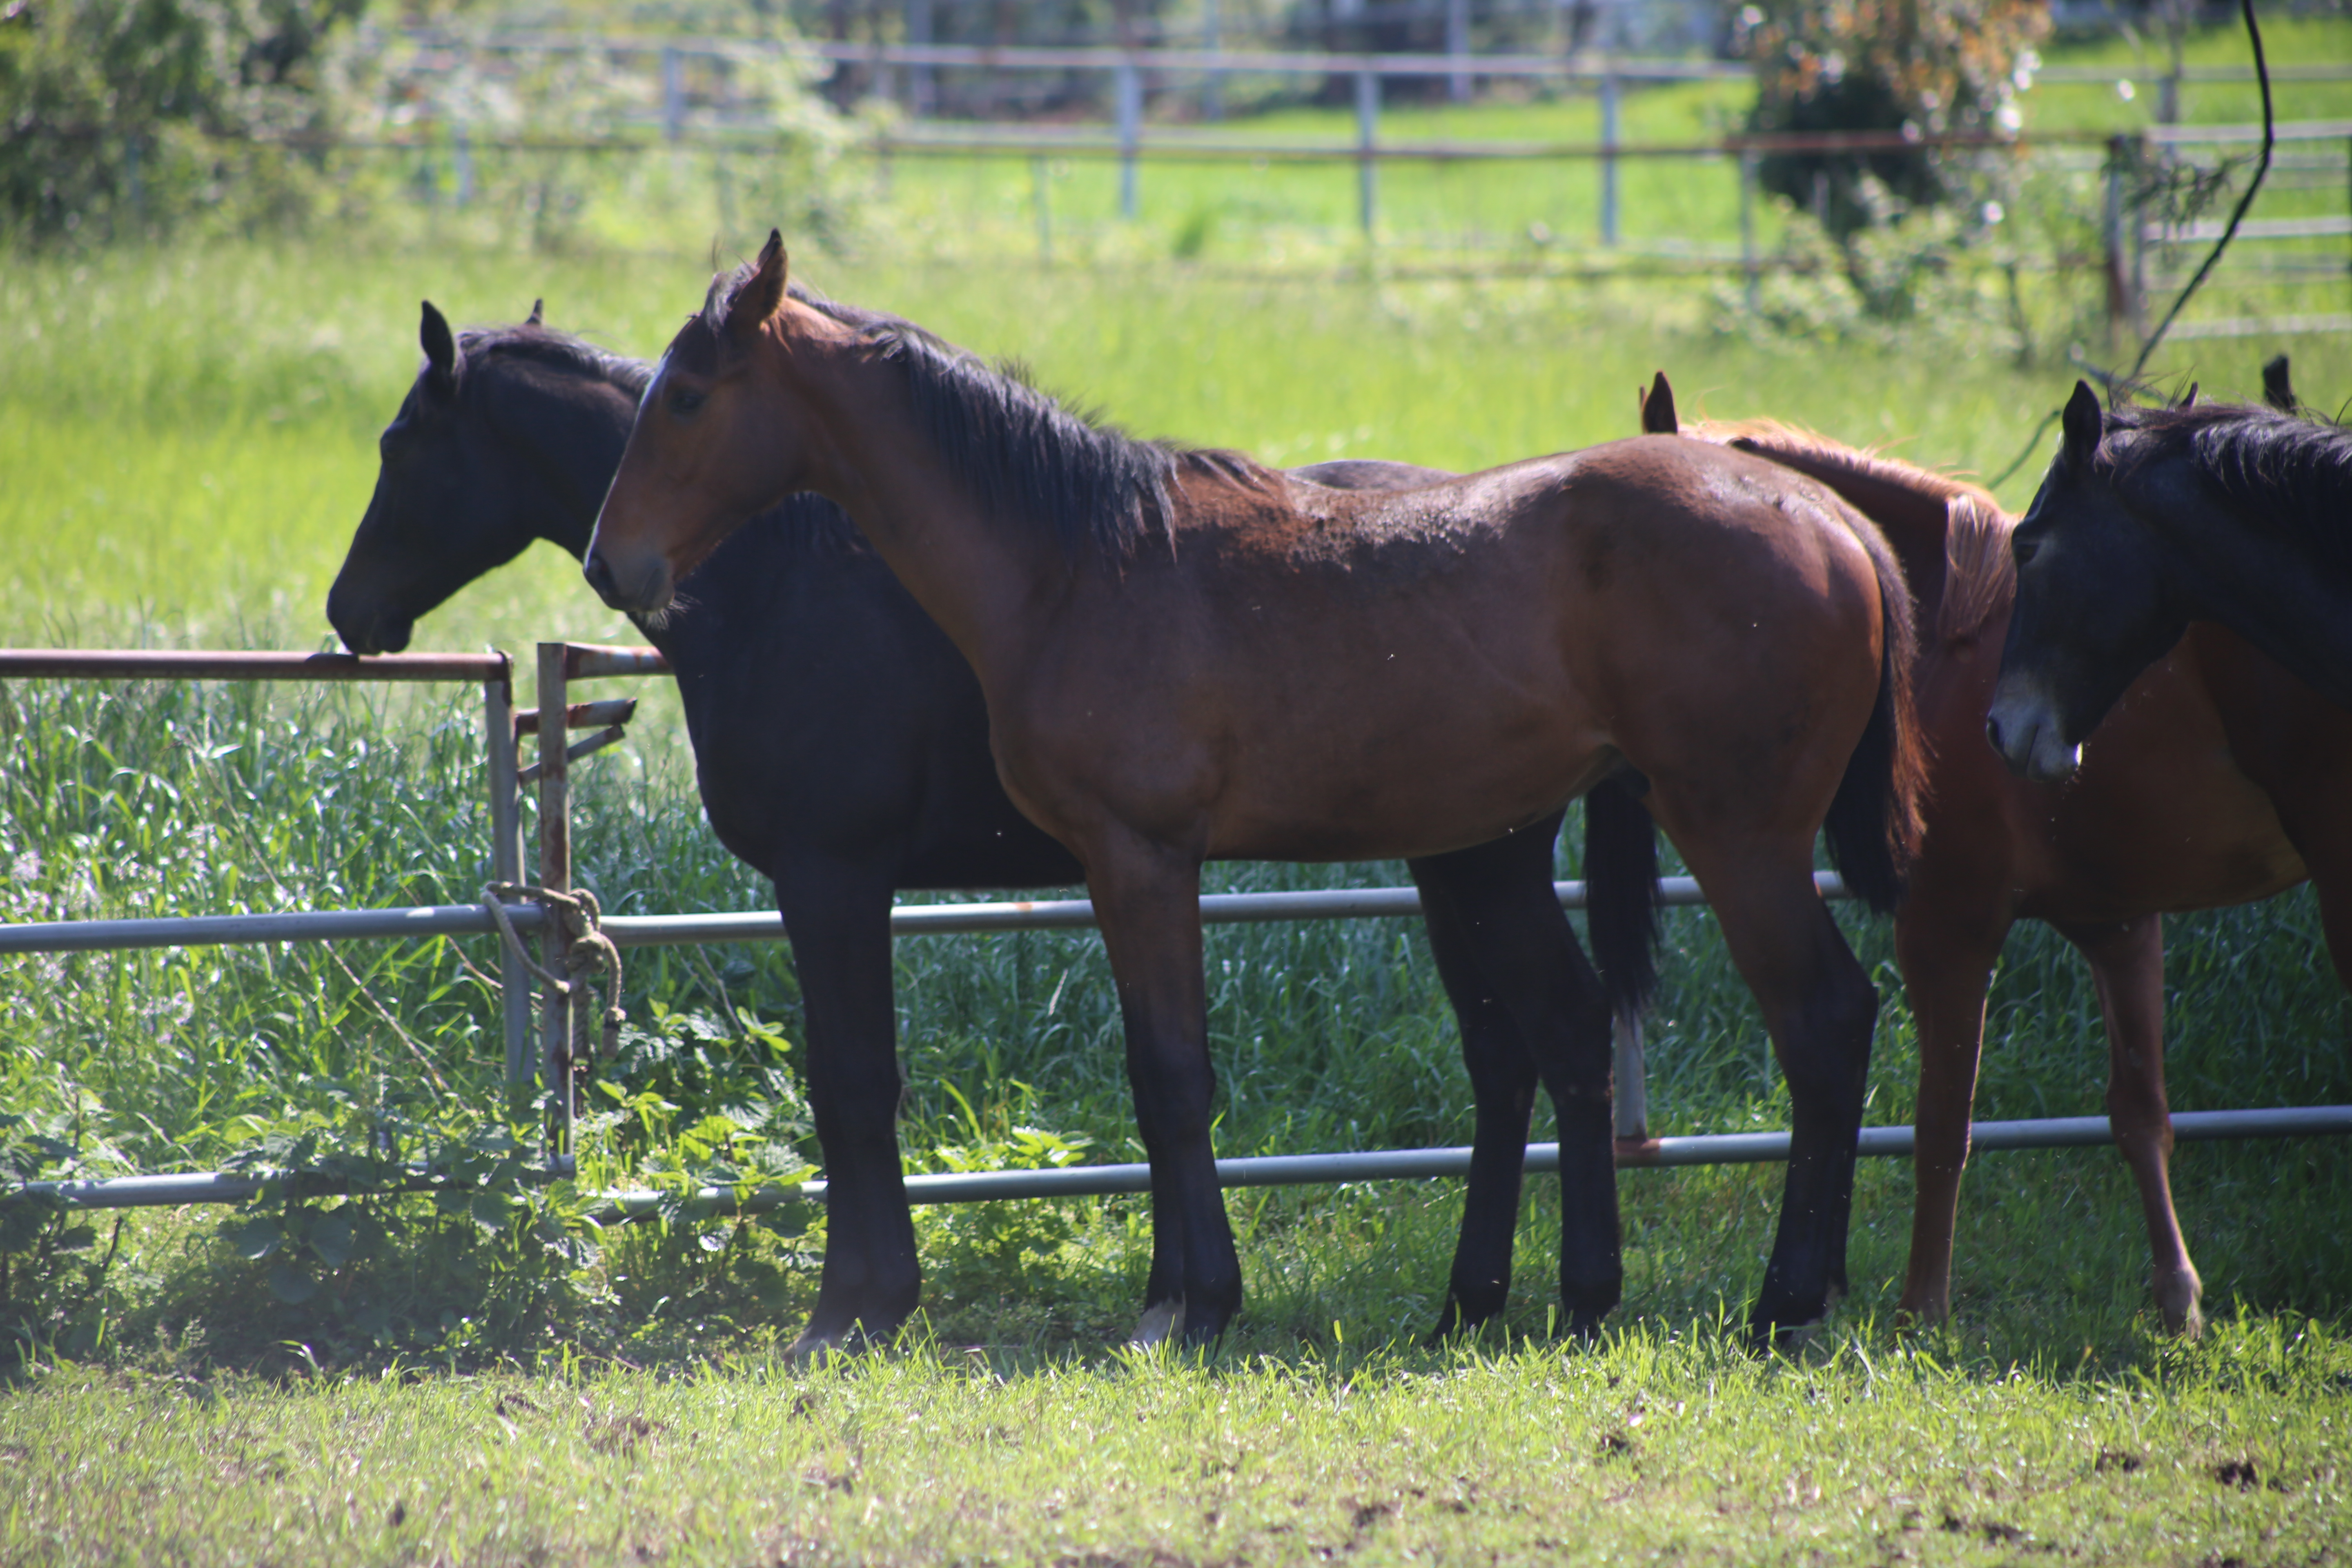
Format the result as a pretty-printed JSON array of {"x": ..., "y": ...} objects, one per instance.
[{"x": 1662, "y": 1446}]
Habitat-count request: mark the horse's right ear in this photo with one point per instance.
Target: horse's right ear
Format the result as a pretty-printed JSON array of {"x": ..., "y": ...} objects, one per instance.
[
  {"x": 2278, "y": 391},
  {"x": 440, "y": 350},
  {"x": 534, "y": 319},
  {"x": 2083, "y": 422},
  {"x": 1658, "y": 409},
  {"x": 760, "y": 293}
]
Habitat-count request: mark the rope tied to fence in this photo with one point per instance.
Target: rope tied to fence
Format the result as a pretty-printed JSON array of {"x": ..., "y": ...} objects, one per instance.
[{"x": 588, "y": 951}]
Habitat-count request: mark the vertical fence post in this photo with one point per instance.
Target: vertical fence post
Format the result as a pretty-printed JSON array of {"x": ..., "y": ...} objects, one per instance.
[
  {"x": 673, "y": 68},
  {"x": 1213, "y": 91},
  {"x": 1749, "y": 266},
  {"x": 1457, "y": 46},
  {"x": 505, "y": 865},
  {"x": 1039, "y": 174},
  {"x": 1368, "y": 125},
  {"x": 1130, "y": 132},
  {"x": 2112, "y": 235},
  {"x": 1631, "y": 1099},
  {"x": 555, "y": 875},
  {"x": 918, "y": 77},
  {"x": 1612, "y": 129}
]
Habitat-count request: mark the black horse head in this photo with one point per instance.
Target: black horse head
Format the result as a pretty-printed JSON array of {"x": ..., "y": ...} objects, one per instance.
[{"x": 495, "y": 444}]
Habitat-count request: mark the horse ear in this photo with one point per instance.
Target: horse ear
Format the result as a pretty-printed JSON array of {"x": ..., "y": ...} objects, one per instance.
[
  {"x": 761, "y": 292},
  {"x": 1658, "y": 409},
  {"x": 440, "y": 348},
  {"x": 2277, "y": 390},
  {"x": 534, "y": 320},
  {"x": 2188, "y": 398},
  {"x": 2083, "y": 422}
]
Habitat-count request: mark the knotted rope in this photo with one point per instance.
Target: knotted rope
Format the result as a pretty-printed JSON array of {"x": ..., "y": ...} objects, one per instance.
[{"x": 589, "y": 952}]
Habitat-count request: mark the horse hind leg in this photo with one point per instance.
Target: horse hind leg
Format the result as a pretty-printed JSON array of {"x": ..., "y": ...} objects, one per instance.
[
  {"x": 1947, "y": 967},
  {"x": 1819, "y": 1009},
  {"x": 2127, "y": 966}
]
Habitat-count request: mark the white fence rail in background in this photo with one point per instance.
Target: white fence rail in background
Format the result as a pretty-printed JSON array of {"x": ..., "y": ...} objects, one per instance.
[{"x": 559, "y": 664}]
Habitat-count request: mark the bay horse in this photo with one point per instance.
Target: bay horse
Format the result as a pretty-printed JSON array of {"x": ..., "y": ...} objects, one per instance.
[
  {"x": 2220, "y": 779},
  {"x": 2151, "y": 518},
  {"x": 1186, "y": 655},
  {"x": 841, "y": 750}
]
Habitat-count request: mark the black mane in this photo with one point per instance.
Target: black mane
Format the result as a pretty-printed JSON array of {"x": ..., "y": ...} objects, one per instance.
[
  {"x": 806, "y": 519},
  {"x": 2283, "y": 471},
  {"x": 1023, "y": 454}
]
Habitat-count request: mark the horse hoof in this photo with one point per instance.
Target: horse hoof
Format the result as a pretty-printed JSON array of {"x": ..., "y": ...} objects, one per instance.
[
  {"x": 1162, "y": 1323},
  {"x": 2177, "y": 1298}
]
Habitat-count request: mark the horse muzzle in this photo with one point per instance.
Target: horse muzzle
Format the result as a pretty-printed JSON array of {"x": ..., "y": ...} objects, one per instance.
[
  {"x": 370, "y": 632},
  {"x": 2025, "y": 727},
  {"x": 643, "y": 592}
]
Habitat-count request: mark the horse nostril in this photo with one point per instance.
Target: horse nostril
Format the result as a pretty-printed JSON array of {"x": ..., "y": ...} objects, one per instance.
[
  {"x": 1992, "y": 731},
  {"x": 599, "y": 573}
]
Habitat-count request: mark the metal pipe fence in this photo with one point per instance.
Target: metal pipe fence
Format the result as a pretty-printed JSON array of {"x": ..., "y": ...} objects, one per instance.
[{"x": 550, "y": 1065}]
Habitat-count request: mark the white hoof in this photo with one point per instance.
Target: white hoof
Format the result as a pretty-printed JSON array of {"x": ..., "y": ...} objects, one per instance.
[{"x": 1161, "y": 1323}]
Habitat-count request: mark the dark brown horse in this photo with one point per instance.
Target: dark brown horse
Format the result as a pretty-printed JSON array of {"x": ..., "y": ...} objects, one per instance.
[
  {"x": 1186, "y": 655},
  {"x": 2220, "y": 779},
  {"x": 841, "y": 748},
  {"x": 2151, "y": 518}
]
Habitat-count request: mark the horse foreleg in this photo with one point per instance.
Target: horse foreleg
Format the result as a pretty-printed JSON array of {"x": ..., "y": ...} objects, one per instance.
[
  {"x": 2128, "y": 965},
  {"x": 1947, "y": 967},
  {"x": 1148, "y": 901},
  {"x": 838, "y": 918},
  {"x": 1819, "y": 1009}
]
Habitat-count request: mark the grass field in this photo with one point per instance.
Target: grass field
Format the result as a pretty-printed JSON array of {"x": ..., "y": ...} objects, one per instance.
[{"x": 186, "y": 440}]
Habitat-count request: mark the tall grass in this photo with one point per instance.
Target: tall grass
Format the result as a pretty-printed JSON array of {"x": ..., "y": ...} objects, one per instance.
[{"x": 188, "y": 440}]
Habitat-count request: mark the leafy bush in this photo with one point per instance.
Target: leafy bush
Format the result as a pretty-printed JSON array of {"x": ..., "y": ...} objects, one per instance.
[
  {"x": 125, "y": 113},
  {"x": 1916, "y": 66}
]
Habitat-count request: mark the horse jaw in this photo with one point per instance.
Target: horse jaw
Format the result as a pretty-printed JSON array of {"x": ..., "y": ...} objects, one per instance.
[{"x": 2023, "y": 726}]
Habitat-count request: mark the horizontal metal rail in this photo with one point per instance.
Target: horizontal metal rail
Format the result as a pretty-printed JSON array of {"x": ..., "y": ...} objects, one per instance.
[
  {"x": 741, "y": 925},
  {"x": 149, "y": 664},
  {"x": 1277, "y": 1170}
]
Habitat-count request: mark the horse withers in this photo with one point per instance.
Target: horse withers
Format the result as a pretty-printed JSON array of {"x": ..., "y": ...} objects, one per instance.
[
  {"x": 841, "y": 748},
  {"x": 2150, "y": 519},
  {"x": 1187, "y": 655}
]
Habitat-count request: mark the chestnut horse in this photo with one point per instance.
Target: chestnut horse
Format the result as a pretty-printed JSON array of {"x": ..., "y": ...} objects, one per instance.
[
  {"x": 2151, "y": 518},
  {"x": 841, "y": 749},
  {"x": 2220, "y": 780},
  {"x": 1186, "y": 655}
]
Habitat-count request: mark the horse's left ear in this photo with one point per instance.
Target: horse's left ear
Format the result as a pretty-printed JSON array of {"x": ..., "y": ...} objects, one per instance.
[
  {"x": 533, "y": 319},
  {"x": 2083, "y": 422},
  {"x": 1658, "y": 409},
  {"x": 440, "y": 346},
  {"x": 2188, "y": 398},
  {"x": 761, "y": 292}
]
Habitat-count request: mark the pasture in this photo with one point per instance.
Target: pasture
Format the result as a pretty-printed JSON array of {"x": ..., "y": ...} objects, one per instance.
[{"x": 186, "y": 437}]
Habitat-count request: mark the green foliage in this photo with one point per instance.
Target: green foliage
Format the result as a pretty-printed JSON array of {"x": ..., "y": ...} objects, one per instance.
[
  {"x": 126, "y": 115},
  {"x": 1916, "y": 66}
]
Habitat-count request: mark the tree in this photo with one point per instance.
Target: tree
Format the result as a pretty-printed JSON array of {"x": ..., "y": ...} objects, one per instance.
[{"x": 1920, "y": 68}]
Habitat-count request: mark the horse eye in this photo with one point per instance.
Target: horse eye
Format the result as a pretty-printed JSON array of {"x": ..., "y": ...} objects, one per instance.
[
  {"x": 2025, "y": 549},
  {"x": 683, "y": 402}
]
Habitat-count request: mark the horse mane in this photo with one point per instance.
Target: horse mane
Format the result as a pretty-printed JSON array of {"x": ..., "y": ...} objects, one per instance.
[
  {"x": 560, "y": 351},
  {"x": 1980, "y": 577},
  {"x": 2288, "y": 473},
  {"x": 1023, "y": 454},
  {"x": 807, "y": 521}
]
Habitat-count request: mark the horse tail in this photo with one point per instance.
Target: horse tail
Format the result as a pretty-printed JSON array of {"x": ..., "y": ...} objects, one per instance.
[
  {"x": 1620, "y": 887},
  {"x": 1873, "y": 823}
]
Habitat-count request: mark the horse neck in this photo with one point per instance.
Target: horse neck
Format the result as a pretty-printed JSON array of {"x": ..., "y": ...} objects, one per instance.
[
  {"x": 980, "y": 576},
  {"x": 2265, "y": 585},
  {"x": 567, "y": 432}
]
